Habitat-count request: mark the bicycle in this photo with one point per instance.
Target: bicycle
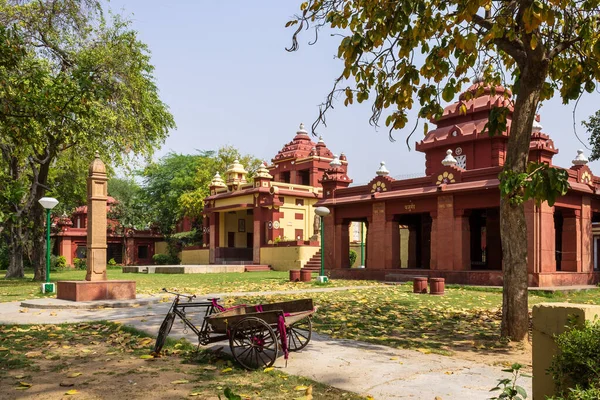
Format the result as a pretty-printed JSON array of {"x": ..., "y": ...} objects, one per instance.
[{"x": 179, "y": 309}]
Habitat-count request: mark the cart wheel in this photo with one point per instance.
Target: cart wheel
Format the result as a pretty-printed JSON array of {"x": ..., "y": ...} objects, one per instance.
[
  {"x": 299, "y": 334},
  {"x": 163, "y": 332},
  {"x": 253, "y": 343}
]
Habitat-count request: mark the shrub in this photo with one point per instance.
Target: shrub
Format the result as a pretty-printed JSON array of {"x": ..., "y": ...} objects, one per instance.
[
  {"x": 577, "y": 365},
  {"x": 580, "y": 394},
  {"x": 112, "y": 262},
  {"x": 353, "y": 257},
  {"x": 60, "y": 263},
  {"x": 163, "y": 259},
  {"x": 80, "y": 263}
]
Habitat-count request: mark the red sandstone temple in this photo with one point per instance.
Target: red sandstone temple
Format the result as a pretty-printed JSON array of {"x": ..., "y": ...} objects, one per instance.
[
  {"x": 446, "y": 224},
  {"x": 126, "y": 246}
]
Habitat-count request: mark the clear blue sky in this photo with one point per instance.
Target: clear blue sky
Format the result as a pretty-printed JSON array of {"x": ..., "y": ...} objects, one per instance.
[{"x": 222, "y": 68}]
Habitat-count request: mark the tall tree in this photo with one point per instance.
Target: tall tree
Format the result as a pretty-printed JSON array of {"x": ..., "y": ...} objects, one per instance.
[
  {"x": 396, "y": 51},
  {"x": 177, "y": 184},
  {"x": 71, "y": 80}
]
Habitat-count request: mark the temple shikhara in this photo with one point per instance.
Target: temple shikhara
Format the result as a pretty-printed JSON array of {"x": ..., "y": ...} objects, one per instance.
[{"x": 445, "y": 224}]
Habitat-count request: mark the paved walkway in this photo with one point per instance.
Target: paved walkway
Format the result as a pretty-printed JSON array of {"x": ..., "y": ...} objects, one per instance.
[{"x": 379, "y": 371}]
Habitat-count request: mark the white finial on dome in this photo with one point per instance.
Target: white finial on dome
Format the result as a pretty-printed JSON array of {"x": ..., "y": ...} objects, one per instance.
[
  {"x": 382, "y": 171},
  {"x": 321, "y": 140},
  {"x": 217, "y": 181},
  {"x": 581, "y": 159},
  {"x": 335, "y": 162},
  {"x": 302, "y": 130},
  {"x": 449, "y": 161},
  {"x": 536, "y": 127}
]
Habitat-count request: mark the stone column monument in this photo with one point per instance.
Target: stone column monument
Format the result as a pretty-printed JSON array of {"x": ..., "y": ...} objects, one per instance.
[
  {"x": 95, "y": 286},
  {"x": 96, "y": 221}
]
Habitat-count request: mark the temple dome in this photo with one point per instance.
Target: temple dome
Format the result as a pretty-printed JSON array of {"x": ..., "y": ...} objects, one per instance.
[{"x": 302, "y": 147}]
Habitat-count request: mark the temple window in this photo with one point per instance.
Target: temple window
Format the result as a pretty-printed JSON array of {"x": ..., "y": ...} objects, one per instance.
[
  {"x": 285, "y": 176},
  {"x": 143, "y": 252},
  {"x": 304, "y": 177}
]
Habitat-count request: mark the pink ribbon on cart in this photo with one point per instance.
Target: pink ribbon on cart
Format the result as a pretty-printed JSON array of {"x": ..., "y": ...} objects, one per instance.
[{"x": 283, "y": 335}]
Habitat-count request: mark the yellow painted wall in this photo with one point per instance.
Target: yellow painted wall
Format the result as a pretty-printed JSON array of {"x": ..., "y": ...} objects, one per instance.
[
  {"x": 230, "y": 201},
  {"x": 194, "y": 257},
  {"x": 289, "y": 223},
  {"x": 286, "y": 258},
  {"x": 229, "y": 223},
  {"x": 160, "y": 248}
]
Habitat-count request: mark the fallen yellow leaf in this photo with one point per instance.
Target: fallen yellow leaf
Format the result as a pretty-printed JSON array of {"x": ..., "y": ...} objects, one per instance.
[
  {"x": 227, "y": 370},
  {"x": 71, "y": 392},
  {"x": 74, "y": 375},
  {"x": 300, "y": 387},
  {"x": 146, "y": 356},
  {"x": 32, "y": 354},
  {"x": 25, "y": 384},
  {"x": 268, "y": 369},
  {"x": 3, "y": 348},
  {"x": 180, "y": 382}
]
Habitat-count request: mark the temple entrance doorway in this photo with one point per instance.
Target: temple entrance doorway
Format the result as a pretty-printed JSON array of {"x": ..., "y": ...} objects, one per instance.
[
  {"x": 358, "y": 241},
  {"x": 414, "y": 240},
  {"x": 485, "y": 242}
]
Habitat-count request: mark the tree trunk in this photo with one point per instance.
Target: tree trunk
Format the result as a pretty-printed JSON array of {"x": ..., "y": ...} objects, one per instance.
[
  {"x": 38, "y": 239},
  {"x": 15, "y": 252},
  {"x": 513, "y": 228}
]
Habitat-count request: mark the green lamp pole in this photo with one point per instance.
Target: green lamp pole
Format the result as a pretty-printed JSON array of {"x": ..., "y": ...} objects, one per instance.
[
  {"x": 322, "y": 212},
  {"x": 48, "y": 203}
]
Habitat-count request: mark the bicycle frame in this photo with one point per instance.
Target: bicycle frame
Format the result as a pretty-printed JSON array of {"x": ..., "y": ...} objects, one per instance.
[{"x": 179, "y": 309}]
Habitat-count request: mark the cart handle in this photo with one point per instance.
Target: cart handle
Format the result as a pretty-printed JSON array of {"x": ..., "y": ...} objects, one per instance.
[{"x": 190, "y": 297}]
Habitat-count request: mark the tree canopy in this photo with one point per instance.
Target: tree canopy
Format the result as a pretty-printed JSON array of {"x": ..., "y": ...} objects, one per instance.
[
  {"x": 401, "y": 55},
  {"x": 177, "y": 184},
  {"x": 72, "y": 81}
]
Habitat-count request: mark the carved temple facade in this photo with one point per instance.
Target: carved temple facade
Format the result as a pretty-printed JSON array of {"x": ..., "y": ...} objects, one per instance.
[
  {"x": 447, "y": 224},
  {"x": 268, "y": 220}
]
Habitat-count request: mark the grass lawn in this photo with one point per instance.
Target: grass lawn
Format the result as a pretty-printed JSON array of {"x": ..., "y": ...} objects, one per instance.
[
  {"x": 465, "y": 322},
  {"x": 107, "y": 361},
  {"x": 199, "y": 284}
]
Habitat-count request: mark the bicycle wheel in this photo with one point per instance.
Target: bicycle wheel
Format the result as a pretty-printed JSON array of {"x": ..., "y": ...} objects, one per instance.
[
  {"x": 299, "y": 334},
  {"x": 253, "y": 343},
  {"x": 163, "y": 332}
]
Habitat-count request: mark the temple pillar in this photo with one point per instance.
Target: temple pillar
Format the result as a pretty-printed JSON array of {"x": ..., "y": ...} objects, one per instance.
[
  {"x": 586, "y": 235},
  {"x": 462, "y": 241},
  {"x": 258, "y": 227},
  {"x": 392, "y": 244},
  {"x": 66, "y": 250},
  {"x": 214, "y": 222},
  {"x": 541, "y": 255},
  {"x": 493, "y": 242},
  {"x": 332, "y": 234},
  {"x": 341, "y": 245},
  {"x": 444, "y": 231},
  {"x": 376, "y": 236},
  {"x": 571, "y": 241}
]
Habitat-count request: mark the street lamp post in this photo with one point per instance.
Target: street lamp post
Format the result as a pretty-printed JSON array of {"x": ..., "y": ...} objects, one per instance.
[
  {"x": 322, "y": 212},
  {"x": 48, "y": 203}
]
